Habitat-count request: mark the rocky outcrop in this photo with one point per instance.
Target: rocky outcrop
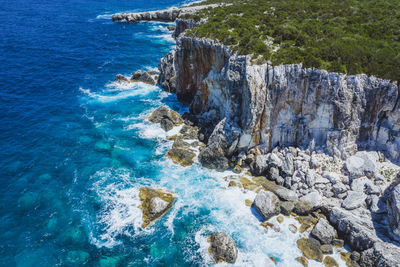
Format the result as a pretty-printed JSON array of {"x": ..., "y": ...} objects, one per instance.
[
  {"x": 166, "y": 116},
  {"x": 222, "y": 248},
  {"x": 288, "y": 104},
  {"x": 145, "y": 77},
  {"x": 166, "y": 15},
  {"x": 393, "y": 204},
  {"x": 167, "y": 77},
  {"x": 154, "y": 203},
  {"x": 149, "y": 77}
]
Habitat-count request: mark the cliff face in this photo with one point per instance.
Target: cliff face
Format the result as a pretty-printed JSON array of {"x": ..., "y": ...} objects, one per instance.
[{"x": 287, "y": 104}]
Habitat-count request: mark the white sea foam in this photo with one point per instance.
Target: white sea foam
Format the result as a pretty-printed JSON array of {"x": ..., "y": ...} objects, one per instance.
[
  {"x": 130, "y": 90},
  {"x": 104, "y": 16},
  {"x": 120, "y": 212}
]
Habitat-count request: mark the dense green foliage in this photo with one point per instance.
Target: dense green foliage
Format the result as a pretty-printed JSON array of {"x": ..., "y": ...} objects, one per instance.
[{"x": 343, "y": 36}]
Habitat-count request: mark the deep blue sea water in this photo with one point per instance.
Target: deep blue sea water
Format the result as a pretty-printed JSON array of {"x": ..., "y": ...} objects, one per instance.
[{"x": 75, "y": 148}]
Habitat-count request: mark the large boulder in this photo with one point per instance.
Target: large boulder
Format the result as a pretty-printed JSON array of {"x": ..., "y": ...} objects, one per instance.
[
  {"x": 363, "y": 163},
  {"x": 154, "y": 204},
  {"x": 353, "y": 200},
  {"x": 323, "y": 231},
  {"x": 267, "y": 204},
  {"x": 222, "y": 248},
  {"x": 393, "y": 208},
  {"x": 260, "y": 165}
]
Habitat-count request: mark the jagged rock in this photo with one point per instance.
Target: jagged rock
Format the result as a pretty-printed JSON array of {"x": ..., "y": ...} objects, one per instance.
[
  {"x": 166, "y": 124},
  {"x": 382, "y": 255},
  {"x": 393, "y": 207},
  {"x": 121, "y": 79},
  {"x": 220, "y": 145},
  {"x": 362, "y": 163},
  {"x": 355, "y": 226},
  {"x": 164, "y": 112},
  {"x": 273, "y": 174},
  {"x": 222, "y": 248},
  {"x": 330, "y": 262},
  {"x": 189, "y": 132},
  {"x": 310, "y": 248},
  {"x": 144, "y": 77},
  {"x": 260, "y": 165},
  {"x": 323, "y": 231},
  {"x": 167, "y": 77},
  {"x": 154, "y": 203},
  {"x": 353, "y": 200},
  {"x": 267, "y": 204}
]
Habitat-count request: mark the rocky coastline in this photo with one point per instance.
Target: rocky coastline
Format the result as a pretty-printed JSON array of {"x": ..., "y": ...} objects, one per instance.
[{"x": 324, "y": 147}]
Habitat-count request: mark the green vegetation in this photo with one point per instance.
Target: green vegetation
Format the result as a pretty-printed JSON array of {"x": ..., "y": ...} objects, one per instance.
[{"x": 343, "y": 36}]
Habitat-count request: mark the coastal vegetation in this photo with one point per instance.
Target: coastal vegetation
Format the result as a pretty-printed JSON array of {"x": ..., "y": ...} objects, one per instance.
[{"x": 349, "y": 36}]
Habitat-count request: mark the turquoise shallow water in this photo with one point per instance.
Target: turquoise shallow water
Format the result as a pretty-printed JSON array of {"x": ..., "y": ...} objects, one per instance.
[{"x": 75, "y": 148}]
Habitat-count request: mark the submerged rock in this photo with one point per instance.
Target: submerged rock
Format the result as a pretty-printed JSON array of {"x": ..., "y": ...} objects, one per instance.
[
  {"x": 222, "y": 248},
  {"x": 267, "y": 204},
  {"x": 310, "y": 248},
  {"x": 145, "y": 77},
  {"x": 121, "y": 79},
  {"x": 154, "y": 204}
]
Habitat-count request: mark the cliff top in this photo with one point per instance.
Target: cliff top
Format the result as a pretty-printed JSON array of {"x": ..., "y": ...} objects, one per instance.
[{"x": 342, "y": 36}]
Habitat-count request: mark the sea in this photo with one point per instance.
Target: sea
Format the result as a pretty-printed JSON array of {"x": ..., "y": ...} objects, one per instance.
[{"x": 75, "y": 148}]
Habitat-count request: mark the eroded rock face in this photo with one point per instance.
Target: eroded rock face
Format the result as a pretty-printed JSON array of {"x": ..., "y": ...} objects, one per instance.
[
  {"x": 155, "y": 203},
  {"x": 167, "y": 77},
  {"x": 220, "y": 146},
  {"x": 267, "y": 204},
  {"x": 288, "y": 104},
  {"x": 222, "y": 248},
  {"x": 393, "y": 206}
]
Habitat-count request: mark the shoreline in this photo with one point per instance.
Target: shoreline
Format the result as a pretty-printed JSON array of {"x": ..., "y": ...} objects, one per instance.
[{"x": 356, "y": 223}]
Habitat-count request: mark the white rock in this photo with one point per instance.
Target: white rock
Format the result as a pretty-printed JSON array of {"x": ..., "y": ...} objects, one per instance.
[{"x": 354, "y": 199}]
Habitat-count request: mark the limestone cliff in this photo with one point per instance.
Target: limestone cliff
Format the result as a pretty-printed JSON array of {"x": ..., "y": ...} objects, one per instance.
[{"x": 287, "y": 104}]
